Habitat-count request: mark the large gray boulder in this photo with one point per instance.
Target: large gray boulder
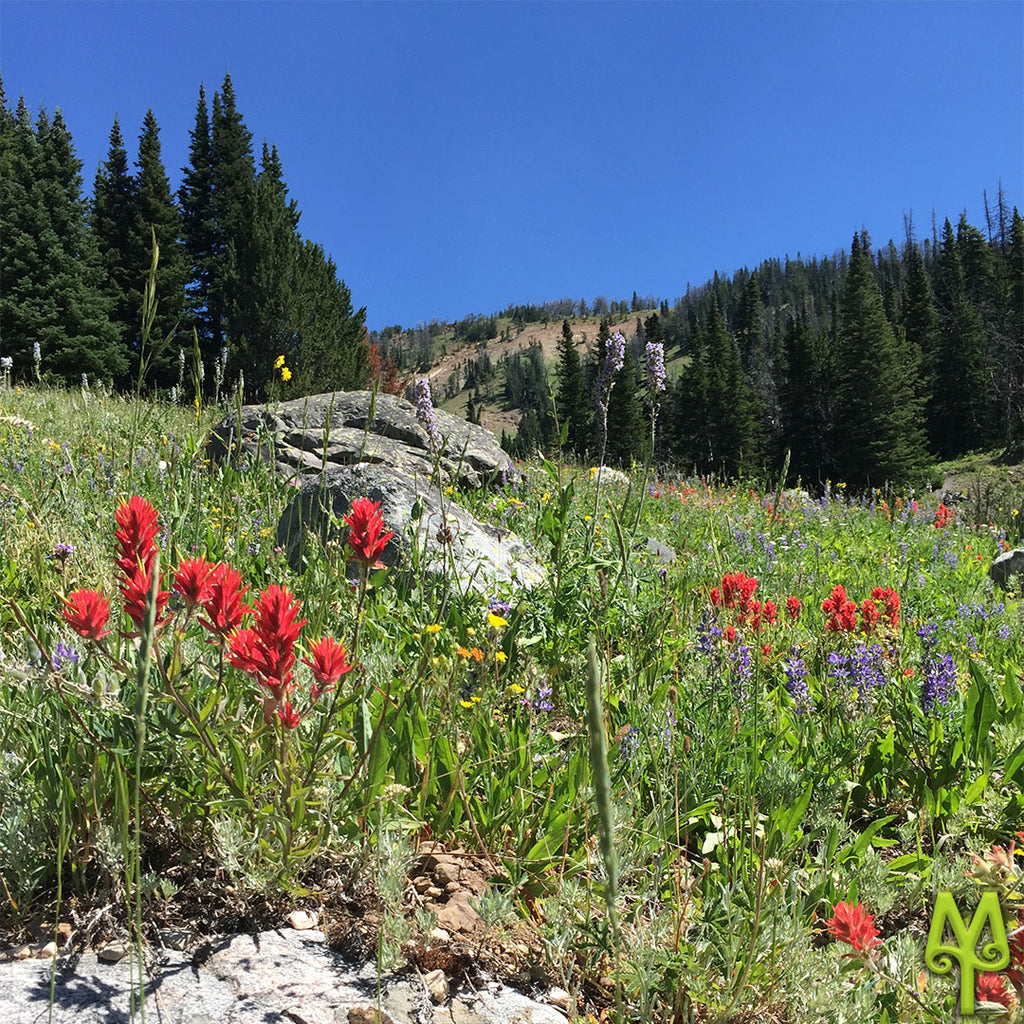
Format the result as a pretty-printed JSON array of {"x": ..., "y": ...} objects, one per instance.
[
  {"x": 446, "y": 539},
  {"x": 1009, "y": 563},
  {"x": 303, "y": 437}
]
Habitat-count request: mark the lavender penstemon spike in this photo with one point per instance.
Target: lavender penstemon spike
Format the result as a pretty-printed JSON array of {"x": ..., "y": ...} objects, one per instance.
[
  {"x": 655, "y": 365},
  {"x": 425, "y": 413}
]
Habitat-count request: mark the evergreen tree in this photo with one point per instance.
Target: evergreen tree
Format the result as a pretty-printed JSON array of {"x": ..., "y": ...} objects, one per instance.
[
  {"x": 920, "y": 322},
  {"x": 574, "y": 412},
  {"x": 156, "y": 214},
  {"x": 199, "y": 230},
  {"x": 961, "y": 397},
  {"x": 879, "y": 436},
  {"x": 50, "y": 262},
  {"x": 112, "y": 223},
  {"x": 628, "y": 432},
  {"x": 805, "y": 391},
  {"x": 232, "y": 178},
  {"x": 331, "y": 353},
  {"x": 1014, "y": 396}
]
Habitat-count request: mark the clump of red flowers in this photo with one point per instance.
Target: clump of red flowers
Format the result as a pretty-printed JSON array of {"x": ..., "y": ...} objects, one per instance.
[
  {"x": 737, "y": 594},
  {"x": 944, "y": 515},
  {"x": 266, "y": 651},
  {"x": 882, "y": 608},
  {"x": 841, "y": 611},
  {"x": 366, "y": 536},
  {"x": 854, "y": 926}
]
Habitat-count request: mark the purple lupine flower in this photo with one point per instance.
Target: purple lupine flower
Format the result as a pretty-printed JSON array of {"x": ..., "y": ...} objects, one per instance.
[
  {"x": 425, "y": 412},
  {"x": 866, "y": 671},
  {"x": 708, "y": 634},
  {"x": 501, "y": 608},
  {"x": 796, "y": 683},
  {"x": 655, "y": 367},
  {"x": 740, "y": 673},
  {"x": 939, "y": 682},
  {"x": 1003, "y": 632},
  {"x": 63, "y": 656},
  {"x": 542, "y": 702},
  {"x": 61, "y": 552}
]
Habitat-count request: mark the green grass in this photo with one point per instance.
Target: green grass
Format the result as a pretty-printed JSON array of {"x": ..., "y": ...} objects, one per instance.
[{"x": 737, "y": 815}]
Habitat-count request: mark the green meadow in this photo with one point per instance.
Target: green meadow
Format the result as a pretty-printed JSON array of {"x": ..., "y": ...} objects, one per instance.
[{"x": 673, "y": 770}]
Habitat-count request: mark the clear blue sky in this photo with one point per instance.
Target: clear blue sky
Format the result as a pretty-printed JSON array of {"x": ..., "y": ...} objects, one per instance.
[{"x": 454, "y": 158}]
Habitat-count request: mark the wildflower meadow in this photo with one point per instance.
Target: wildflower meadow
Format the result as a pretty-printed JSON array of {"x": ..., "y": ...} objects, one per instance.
[{"x": 725, "y": 784}]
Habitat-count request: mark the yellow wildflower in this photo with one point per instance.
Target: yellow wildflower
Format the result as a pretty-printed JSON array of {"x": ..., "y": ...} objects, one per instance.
[
  {"x": 286, "y": 374},
  {"x": 434, "y": 628},
  {"x": 496, "y": 620},
  {"x": 279, "y": 363},
  {"x": 500, "y": 657}
]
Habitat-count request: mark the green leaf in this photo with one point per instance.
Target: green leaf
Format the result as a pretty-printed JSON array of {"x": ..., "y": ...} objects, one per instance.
[{"x": 979, "y": 714}]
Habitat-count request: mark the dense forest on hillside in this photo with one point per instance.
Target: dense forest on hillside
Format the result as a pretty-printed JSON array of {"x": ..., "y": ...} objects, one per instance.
[
  {"x": 236, "y": 284},
  {"x": 866, "y": 366}
]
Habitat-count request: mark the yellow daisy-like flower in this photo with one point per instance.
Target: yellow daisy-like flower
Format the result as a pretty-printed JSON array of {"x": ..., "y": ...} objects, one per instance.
[
  {"x": 516, "y": 688},
  {"x": 434, "y": 628},
  {"x": 279, "y": 362},
  {"x": 496, "y": 620},
  {"x": 286, "y": 374},
  {"x": 500, "y": 657}
]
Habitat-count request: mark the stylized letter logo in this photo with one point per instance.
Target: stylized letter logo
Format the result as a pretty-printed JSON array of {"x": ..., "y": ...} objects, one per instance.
[{"x": 994, "y": 956}]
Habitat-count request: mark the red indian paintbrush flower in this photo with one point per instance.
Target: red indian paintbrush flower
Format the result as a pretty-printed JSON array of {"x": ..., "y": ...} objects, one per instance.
[
  {"x": 193, "y": 580},
  {"x": 290, "y": 718},
  {"x": 224, "y": 606},
  {"x": 267, "y": 651},
  {"x": 891, "y": 600},
  {"x": 854, "y": 926},
  {"x": 841, "y": 611},
  {"x": 136, "y": 535},
  {"x": 366, "y": 535},
  {"x": 991, "y": 988},
  {"x": 328, "y": 664},
  {"x": 135, "y": 593},
  {"x": 87, "y": 612}
]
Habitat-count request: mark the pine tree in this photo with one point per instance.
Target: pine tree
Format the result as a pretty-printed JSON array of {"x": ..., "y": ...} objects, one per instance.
[
  {"x": 50, "y": 263},
  {"x": 331, "y": 352},
  {"x": 628, "y": 432},
  {"x": 879, "y": 436},
  {"x": 113, "y": 225},
  {"x": 571, "y": 399},
  {"x": 961, "y": 397},
  {"x": 1014, "y": 415},
  {"x": 199, "y": 229},
  {"x": 805, "y": 391},
  {"x": 920, "y": 322},
  {"x": 156, "y": 213},
  {"x": 233, "y": 178}
]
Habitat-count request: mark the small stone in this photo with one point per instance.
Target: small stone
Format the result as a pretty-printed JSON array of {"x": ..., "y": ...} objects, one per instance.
[
  {"x": 439, "y": 935},
  {"x": 433, "y": 892},
  {"x": 452, "y": 887},
  {"x": 437, "y": 985},
  {"x": 560, "y": 998},
  {"x": 302, "y": 920},
  {"x": 47, "y": 952},
  {"x": 63, "y": 934},
  {"x": 22, "y": 953},
  {"x": 421, "y": 884},
  {"x": 363, "y": 1015},
  {"x": 112, "y": 952},
  {"x": 174, "y": 938}
]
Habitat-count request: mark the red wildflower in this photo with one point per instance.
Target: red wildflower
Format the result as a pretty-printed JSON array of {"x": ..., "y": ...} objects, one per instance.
[
  {"x": 841, "y": 611},
  {"x": 793, "y": 608},
  {"x": 266, "y": 651},
  {"x": 944, "y": 515},
  {"x": 224, "y": 604},
  {"x": 716, "y": 596},
  {"x": 87, "y": 612},
  {"x": 328, "y": 664},
  {"x": 738, "y": 590},
  {"x": 891, "y": 600},
  {"x": 854, "y": 926},
  {"x": 290, "y": 718},
  {"x": 135, "y": 593},
  {"x": 730, "y": 634},
  {"x": 769, "y": 614},
  {"x": 136, "y": 533},
  {"x": 366, "y": 536},
  {"x": 193, "y": 580},
  {"x": 869, "y": 615},
  {"x": 991, "y": 988}
]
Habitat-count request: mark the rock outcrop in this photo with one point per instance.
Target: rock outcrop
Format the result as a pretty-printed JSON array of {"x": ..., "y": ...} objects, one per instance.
[{"x": 336, "y": 448}]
